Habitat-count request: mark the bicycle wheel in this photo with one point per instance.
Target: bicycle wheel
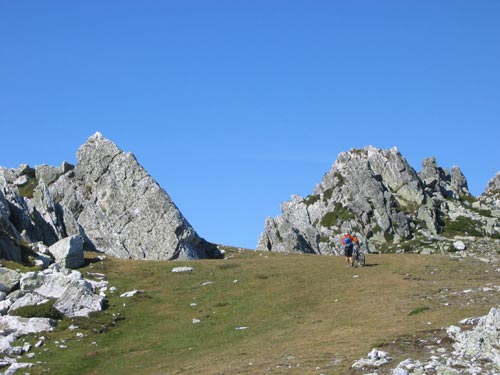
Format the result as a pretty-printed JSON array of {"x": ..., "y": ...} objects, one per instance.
[{"x": 361, "y": 259}]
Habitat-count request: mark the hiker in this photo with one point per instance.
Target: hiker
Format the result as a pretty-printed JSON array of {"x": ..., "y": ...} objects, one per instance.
[
  {"x": 348, "y": 243},
  {"x": 351, "y": 244}
]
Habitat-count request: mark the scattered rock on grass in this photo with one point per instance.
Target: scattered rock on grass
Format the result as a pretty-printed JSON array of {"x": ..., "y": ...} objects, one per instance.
[
  {"x": 131, "y": 293},
  {"x": 182, "y": 269}
]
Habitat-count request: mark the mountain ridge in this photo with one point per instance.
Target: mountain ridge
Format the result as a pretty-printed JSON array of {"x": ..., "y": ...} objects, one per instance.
[
  {"x": 118, "y": 208},
  {"x": 377, "y": 194}
]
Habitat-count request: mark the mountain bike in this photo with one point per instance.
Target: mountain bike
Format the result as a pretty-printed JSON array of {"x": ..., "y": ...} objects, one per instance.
[{"x": 358, "y": 257}]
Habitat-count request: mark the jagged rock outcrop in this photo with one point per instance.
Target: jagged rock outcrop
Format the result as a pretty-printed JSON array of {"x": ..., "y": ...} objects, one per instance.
[
  {"x": 12, "y": 327},
  {"x": 474, "y": 350},
  {"x": 61, "y": 289},
  {"x": 491, "y": 196},
  {"x": 27, "y": 213},
  {"x": 441, "y": 183},
  {"x": 9, "y": 279},
  {"x": 378, "y": 195},
  {"x": 9, "y": 236},
  {"x": 107, "y": 199},
  {"x": 121, "y": 208},
  {"x": 75, "y": 295}
]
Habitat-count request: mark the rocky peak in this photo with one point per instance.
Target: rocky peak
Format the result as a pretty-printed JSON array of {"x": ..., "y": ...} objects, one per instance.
[
  {"x": 95, "y": 158},
  {"x": 358, "y": 167},
  {"x": 122, "y": 208},
  {"x": 493, "y": 186},
  {"x": 378, "y": 195},
  {"x": 107, "y": 198},
  {"x": 491, "y": 195}
]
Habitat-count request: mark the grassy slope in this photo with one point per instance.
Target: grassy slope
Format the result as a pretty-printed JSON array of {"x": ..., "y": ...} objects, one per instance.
[{"x": 302, "y": 312}]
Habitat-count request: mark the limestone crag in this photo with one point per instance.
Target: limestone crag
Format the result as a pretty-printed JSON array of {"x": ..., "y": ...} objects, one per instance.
[
  {"x": 28, "y": 213},
  {"x": 107, "y": 199},
  {"x": 9, "y": 236},
  {"x": 491, "y": 196},
  {"x": 440, "y": 182},
  {"x": 123, "y": 210},
  {"x": 65, "y": 291},
  {"x": 474, "y": 350},
  {"x": 378, "y": 195}
]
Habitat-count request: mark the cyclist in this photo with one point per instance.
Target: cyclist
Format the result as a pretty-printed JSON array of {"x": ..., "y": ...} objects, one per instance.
[{"x": 356, "y": 247}]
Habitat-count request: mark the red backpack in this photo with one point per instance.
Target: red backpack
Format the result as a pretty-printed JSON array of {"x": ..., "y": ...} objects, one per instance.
[{"x": 345, "y": 237}]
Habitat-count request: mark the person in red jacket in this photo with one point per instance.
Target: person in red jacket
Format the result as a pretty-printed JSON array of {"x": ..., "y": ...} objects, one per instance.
[{"x": 349, "y": 241}]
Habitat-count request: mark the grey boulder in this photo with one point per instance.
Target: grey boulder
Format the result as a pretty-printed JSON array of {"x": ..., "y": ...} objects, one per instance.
[{"x": 68, "y": 252}]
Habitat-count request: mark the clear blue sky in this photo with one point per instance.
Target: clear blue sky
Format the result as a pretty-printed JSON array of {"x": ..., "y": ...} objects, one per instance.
[{"x": 233, "y": 106}]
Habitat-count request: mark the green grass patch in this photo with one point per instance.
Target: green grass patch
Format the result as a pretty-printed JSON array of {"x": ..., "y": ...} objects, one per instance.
[
  {"x": 376, "y": 228},
  {"x": 359, "y": 152},
  {"x": 282, "y": 305},
  {"x": 45, "y": 310},
  {"x": 469, "y": 199},
  {"x": 379, "y": 344},
  {"x": 329, "y": 220},
  {"x": 228, "y": 266},
  {"x": 389, "y": 236},
  {"x": 418, "y": 310},
  {"x": 311, "y": 199},
  {"x": 340, "y": 179},
  {"x": 339, "y": 213},
  {"x": 460, "y": 226},
  {"x": 409, "y": 207},
  {"x": 482, "y": 212},
  {"x": 327, "y": 195},
  {"x": 27, "y": 190}
]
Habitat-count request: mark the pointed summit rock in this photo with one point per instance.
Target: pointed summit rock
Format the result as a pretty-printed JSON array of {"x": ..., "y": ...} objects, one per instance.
[
  {"x": 122, "y": 210},
  {"x": 440, "y": 182},
  {"x": 363, "y": 192},
  {"x": 491, "y": 195}
]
